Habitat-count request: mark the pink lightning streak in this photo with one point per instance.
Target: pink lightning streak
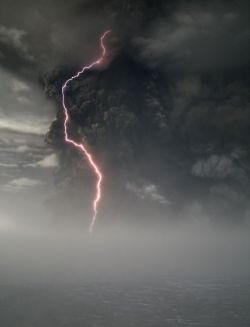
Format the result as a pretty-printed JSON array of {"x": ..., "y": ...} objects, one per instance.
[{"x": 80, "y": 146}]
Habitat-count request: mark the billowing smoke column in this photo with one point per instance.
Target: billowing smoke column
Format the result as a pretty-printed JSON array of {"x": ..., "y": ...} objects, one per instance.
[{"x": 81, "y": 147}]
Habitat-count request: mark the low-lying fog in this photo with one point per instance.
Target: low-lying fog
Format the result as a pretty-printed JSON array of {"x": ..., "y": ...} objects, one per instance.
[{"x": 35, "y": 253}]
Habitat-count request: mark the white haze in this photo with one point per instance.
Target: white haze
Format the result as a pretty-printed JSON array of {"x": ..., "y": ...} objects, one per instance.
[{"x": 36, "y": 253}]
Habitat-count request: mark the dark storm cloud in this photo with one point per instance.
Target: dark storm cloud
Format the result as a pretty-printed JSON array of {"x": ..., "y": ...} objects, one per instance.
[
  {"x": 194, "y": 126},
  {"x": 183, "y": 137},
  {"x": 199, "y": 37},
  {"x": 169, "y": 117},
  {"x": 45, "y": 34},
  {"x": 220, "y": 167},
  {"x": 13, "y": 37},
  {"x": 54, "y": 33},
  {"x": 186, "y": 35}
]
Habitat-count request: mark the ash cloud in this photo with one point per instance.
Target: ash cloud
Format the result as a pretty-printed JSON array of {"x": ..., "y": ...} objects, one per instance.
[
  {"x": 171, "y": 109},
  {"x": 207, "y": 37}
]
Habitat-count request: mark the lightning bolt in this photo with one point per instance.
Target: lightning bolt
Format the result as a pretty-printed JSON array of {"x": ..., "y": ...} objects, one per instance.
[{"x": 80, "y": 146}]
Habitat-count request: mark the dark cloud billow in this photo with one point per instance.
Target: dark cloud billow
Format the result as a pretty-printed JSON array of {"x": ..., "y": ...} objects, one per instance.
[
  {"x": 169, "y": 111},
  {"x": 168, "y": 118},
  {"x": 199, "y": 37}
]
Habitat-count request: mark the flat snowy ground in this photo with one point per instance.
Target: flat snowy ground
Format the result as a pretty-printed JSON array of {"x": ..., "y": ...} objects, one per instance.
[{"x": 217, "y": 304}]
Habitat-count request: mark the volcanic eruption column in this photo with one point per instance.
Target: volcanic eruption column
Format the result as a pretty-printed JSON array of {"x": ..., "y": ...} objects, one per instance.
[{"x": 81, "y": 147}]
